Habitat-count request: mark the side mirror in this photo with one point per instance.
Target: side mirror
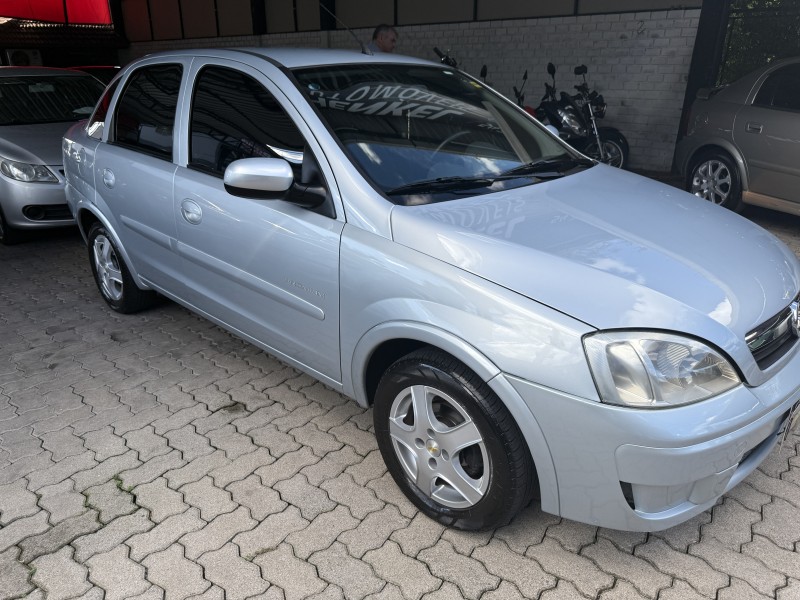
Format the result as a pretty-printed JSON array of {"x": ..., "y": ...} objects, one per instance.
[
  {"x": 551, "y": 69},
  {"x": 258, "y": 177},
  {"x": 581, "y": 70}
]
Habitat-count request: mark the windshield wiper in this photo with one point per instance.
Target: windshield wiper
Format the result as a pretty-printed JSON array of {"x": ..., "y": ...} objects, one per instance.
[
  {"x": 548, "y": 167},
  {"x": 441, "y": 184}
]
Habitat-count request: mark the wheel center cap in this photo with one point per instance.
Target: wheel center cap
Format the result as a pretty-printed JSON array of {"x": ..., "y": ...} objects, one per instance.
[{"x": 433, "y": 448}]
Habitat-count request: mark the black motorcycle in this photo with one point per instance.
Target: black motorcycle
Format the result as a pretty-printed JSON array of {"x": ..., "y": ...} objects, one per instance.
[{"x": 575, "y": 117}]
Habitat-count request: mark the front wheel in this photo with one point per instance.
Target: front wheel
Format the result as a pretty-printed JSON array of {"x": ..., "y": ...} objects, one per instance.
[
  {"x": 450, "y": 443},
  {"x": 112, "y": 275},
  {"x": 615, "y": 149}
]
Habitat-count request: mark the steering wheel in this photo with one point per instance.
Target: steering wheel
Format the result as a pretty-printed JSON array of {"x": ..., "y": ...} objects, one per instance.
[{"x": 449, "y": 139}]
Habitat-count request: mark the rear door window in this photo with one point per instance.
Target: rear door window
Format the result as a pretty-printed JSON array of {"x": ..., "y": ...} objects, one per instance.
[
  {"x": 781, "y": 90},
  {"x": 145, "y": 114}
]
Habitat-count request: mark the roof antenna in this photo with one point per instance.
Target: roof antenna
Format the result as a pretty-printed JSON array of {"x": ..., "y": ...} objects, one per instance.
[{"x": 364, "y": 49}]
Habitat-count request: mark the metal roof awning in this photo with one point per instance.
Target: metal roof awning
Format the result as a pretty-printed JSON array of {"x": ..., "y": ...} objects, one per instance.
[{"x": 73, "y": 12}]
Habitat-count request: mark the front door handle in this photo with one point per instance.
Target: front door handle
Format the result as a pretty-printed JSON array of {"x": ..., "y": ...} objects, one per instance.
[
  {"x": 754, "y": 128},
  {"x": 191, "y": 211}
]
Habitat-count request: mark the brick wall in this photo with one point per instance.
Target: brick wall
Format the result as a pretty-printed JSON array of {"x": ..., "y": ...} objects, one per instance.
[{"x": 638, "y": 61}]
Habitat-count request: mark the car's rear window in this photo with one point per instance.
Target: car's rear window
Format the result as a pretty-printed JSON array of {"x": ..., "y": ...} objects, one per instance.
[{"x": 32, "y": 99}]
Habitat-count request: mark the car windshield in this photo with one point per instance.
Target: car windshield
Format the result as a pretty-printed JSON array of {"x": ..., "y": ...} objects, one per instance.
[
  {"x": 425, "y": 134},
  {"x": 28, "y": 99}
]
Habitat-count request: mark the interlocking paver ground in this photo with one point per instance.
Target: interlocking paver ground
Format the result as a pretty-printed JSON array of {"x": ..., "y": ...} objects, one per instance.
[{"x": 154, "y": 456}]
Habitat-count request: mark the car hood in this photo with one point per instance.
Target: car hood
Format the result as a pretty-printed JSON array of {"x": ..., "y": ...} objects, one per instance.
[
  {"x": 35, "y": 144},
  {"x": 614, "y": 250}
]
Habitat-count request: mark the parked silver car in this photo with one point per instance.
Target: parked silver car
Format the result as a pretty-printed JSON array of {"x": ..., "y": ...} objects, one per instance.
[
  {"x": 522, "y": 320},
  {"x": 743, "y": 141},
  {"x": 37, "y": 105}
]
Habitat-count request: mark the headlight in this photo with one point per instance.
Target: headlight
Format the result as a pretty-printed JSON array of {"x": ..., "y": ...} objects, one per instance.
[
  {"x": 656, "y": 370},
  {"x": 572, "y": 122},
  {"x": 26, "y": 172}
]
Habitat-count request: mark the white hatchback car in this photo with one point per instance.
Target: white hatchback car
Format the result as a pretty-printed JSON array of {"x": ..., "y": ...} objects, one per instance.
[{"x": 523, "y": 320}]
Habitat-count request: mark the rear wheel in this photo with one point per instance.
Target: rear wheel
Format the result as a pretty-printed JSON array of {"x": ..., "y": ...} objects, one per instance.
[
  {"x": 715, "y": 177},
  {"x": 112, "y": 275},
  {"x": 450, "y": 443}
]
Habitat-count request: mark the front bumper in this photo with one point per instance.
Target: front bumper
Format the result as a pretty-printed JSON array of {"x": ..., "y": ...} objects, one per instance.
[
  {"x": 35, "y": 205},
  {"x": 648, "y": 470}
]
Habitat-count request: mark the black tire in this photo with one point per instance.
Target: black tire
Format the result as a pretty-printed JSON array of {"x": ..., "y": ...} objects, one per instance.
[
  {"x": 8, "y": 235},
  {"x": 615, "y": 149},
  {"x": 715, "y": 177},
  {"x": 112, "y": 276},
  {"x": 465, "y": 420}
]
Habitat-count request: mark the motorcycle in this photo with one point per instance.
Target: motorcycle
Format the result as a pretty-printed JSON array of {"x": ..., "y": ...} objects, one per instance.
[{"x": 575, "y": 117}]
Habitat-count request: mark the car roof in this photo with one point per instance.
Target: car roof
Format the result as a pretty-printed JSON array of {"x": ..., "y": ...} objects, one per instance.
[
  {"x": 38, "y": 71},
  {"x": 740, "y": 90},
  {"x": 298, "y": 57}
]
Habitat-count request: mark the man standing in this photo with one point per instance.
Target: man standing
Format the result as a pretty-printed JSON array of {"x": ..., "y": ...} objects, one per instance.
[{"x": 384, "y": 39}]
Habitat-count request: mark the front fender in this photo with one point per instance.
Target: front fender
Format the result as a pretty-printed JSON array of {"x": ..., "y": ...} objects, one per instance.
[{"x": 483, "y": 367}]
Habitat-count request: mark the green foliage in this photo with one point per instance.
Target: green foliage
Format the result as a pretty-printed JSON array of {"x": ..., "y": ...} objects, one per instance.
[{"x": 759, "y": 32}]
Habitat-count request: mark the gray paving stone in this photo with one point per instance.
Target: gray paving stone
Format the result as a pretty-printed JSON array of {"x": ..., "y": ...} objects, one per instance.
[
  {"x": 166, "y": 533},
  {"x": 230, "y": 441},
  {"x": 322, "y": 532},
  {"x": 13, "y": 575},
  {"x": 179, "y": 577},
  {"x": 239, "y": 578},
  {"x": 319, "y": 441},
  {"x": 746, "y": 568},
  {"x": 19, "y": 443},
  {"x": 408, "y": 574},
  {"x": 524, "y": 573},
  {"x": 60, "y": 576},
  {"x": 420, "y": 533},
  {"x": 636, "y": 570},
  {"x": 58, "y": 536},
  {"x": 468, "y": 574},
  {"x": 62, "y": 443},
  {"x": 373, "y": 531},
  {"x": 105, "y": 471},
  {"x": 112, "y": 535},
  {"x": 623, "y": 590},
  {"x": 372, "y": 467},
  {"x": 173, "y": 397},
  {"x": 572, "y": 535},
  {"x": 784, "y": 490},
  {"x": 290, "y": 399},
  {"x": 353, "y": 576},
  {"x": 681, "y": 590},
  {"x": 448, "y": 591},
  {"x": 16, "y": 501},
  {"x": 104, "y": 443},
  {"x": 180, "y": 419},
  {"x": 159, "y": 499},
  {"x": 61, "y": 470},
  {"x": 465, "y": 542},
  {"x": 146, "y": 443},
  {"x": 102, "y": 419},
  {"x": 270, "y": 532},
  {"x": 331, "y": 465},
  {"x": 140, "y": 419},
  {"x": 196, "y": 469},
  {"x": 220, "y": 418},
  {"x": 310, "y": 499},
  {"x": 731, "y": 523},
  {"x": 241, "y": 467},
  {"x": 286, "y": 467},
  {"x": 117, "y": 574},
  {"x": 217, "y": 533},
  {"x": 152, "y": 593},
  {"x": 741, "y": 590},
  {"x": 627, "y": 541},
  {"x": 211, "y": 500},
  {"x": 563, "y": 591},
  {"x": 110, "y": 500},
  {"x": 790, "y": 592},
  {"x": 362, "y": 441},
  {"x": 775, "y": 557},
  {"x": 781, "y": 523},
  {"x": 691, "y": 569},
  {"x": 267, "y": 436},
  {"x": 337, "y": 415},
  {"x": 578, "y": 570},
  {"x": 62, "y": 419},
  {"x": 299, "y": 416},
  {"x": 153, "y": 469},
  {"x": 62, "y": 501},
  {"x": 260, "y": 499},
  {"x": 297, "y": 578},
  {"x": 749, "y": 497},
  {"x": 212, "y": 593},
  {"x": 387, "y": 491},
  {"x": 360, "y": 500},
  {"x": 684, "y": 535},
  {"x": 250, "y": 398}
]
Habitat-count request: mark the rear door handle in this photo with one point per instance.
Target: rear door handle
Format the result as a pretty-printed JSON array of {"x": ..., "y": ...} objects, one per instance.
[{"x": 754, "y": 128}]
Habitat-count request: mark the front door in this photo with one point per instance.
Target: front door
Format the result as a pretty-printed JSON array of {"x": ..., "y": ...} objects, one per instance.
[{"x": 265, "y": 268}]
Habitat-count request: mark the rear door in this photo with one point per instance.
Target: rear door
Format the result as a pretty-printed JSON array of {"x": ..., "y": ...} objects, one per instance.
[
  {"x": 134, "y": 171},
  {"x": 768, "y": 132},
  {"x": 265, "y": 268}
]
